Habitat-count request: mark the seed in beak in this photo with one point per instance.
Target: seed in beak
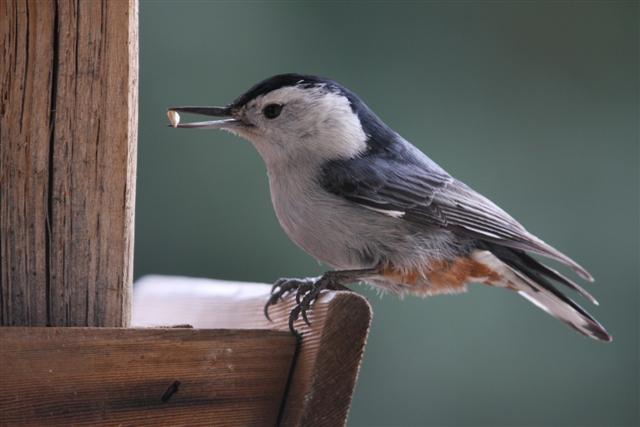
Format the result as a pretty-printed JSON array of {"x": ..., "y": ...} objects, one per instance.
[{"x": 174, "y": 118}]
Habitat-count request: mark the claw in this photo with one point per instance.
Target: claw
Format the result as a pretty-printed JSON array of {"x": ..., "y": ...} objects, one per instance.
[
  {"x": 307, "y": 292},
  {"x": 304, "y": 316},
  {"x": 293, "y": 316},
  {"x": 279, "y": 290},
  {"x": 278, "y": 284},
  {"x": 307, "y": 301},
  {"x": 272, "y": 300},
  {"x": 303, "y": 289}
]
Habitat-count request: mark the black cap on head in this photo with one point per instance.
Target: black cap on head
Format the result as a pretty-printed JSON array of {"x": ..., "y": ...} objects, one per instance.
[{"x": 280, "y": 81}]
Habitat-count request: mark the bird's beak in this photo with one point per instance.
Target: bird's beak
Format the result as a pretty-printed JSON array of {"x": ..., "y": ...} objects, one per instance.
[{"x": 225, "y": 112}]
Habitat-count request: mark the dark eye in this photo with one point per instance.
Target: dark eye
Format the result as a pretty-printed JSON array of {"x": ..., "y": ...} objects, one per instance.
[{"x": 272, "y": 111}]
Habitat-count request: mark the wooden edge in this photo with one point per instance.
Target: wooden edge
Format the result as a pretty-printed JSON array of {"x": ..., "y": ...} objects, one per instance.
[
  {"x": 324, "y": 377},
  {"x": 131, "y": 158},
  {"x": 115, "y": 376}
]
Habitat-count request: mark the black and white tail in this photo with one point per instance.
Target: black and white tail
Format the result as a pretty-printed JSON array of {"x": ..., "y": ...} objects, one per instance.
[{"x": 533, "y": 280}]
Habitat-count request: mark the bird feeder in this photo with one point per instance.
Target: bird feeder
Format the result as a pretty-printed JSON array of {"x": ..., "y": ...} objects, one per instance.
[{"x": 69, "y": 351}]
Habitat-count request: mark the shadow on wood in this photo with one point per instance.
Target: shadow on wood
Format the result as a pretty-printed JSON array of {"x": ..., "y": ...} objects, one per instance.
[{"x": 326, "y": 367}]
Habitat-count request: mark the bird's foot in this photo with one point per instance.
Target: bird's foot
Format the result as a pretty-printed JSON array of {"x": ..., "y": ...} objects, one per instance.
[{"x": 306, "y": 290}]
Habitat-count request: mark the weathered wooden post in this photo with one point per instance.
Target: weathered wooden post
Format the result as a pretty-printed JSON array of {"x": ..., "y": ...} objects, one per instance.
[{"x": 68, "y": 134}]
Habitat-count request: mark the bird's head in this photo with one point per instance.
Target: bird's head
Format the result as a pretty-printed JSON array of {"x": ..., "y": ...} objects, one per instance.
[{"x": 293, "y": 117}]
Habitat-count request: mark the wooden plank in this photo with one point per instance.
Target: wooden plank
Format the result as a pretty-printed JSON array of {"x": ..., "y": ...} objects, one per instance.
[
  {"x": 328, "y": 360},
  {"x": 89, "y": 376},
  {"x": 68, "y": 130}
]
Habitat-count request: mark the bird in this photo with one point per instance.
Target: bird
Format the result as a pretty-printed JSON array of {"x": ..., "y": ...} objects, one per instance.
[{"x": 361, "y": 199}]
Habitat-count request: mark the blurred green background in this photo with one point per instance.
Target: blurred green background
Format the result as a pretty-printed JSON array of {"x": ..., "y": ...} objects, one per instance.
[{"x": 534, "y": 104}]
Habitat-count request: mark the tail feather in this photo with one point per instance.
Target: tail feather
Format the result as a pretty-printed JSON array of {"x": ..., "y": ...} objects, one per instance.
[
  {"x": 563, "y": 308},
  {"x": 532, "y": 280},
  {"x": 543, "y": 248},
  {"x": 537, "y": 271}
]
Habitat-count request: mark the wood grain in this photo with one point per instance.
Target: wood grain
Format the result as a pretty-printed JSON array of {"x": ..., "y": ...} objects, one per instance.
[
  {"x": 89, "y": 376},
  {"x": 328, "y": 360},
  {"x": 68, "y": 130},
  {"x": 25, "y": 120}
]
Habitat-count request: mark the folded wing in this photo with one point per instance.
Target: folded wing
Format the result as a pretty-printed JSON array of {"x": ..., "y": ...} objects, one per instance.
[{"x": 415, "y": 189}]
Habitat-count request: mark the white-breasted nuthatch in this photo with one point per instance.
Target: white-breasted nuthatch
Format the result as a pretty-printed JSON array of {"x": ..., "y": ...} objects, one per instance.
[{"x": 357, "y": 196}]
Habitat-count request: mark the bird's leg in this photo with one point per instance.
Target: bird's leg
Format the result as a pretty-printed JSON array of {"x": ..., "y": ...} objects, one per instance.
[{"x": 308, "y": 290}]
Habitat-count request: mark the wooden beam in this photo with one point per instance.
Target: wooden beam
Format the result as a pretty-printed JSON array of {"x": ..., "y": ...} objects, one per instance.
[
  {"x": 68, "y": 131},
  {"x": 104, "y": 376}
]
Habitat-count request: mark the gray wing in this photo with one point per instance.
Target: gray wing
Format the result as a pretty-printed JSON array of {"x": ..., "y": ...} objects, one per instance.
[{"x": 417, "y": 190}]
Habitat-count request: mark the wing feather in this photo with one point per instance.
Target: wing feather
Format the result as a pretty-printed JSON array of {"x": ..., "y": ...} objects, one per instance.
[{"x": 425, "y": 194}]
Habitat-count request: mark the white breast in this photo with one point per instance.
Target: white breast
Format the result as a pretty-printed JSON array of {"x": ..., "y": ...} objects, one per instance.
[{"x": 343, "y": 234}]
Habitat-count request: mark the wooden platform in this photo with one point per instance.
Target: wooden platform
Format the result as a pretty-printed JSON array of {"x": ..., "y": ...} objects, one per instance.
[{"x": 234, "y": 368}]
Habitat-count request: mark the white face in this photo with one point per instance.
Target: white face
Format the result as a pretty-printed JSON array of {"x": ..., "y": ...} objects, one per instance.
[{"x": 313, "y": 125}]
